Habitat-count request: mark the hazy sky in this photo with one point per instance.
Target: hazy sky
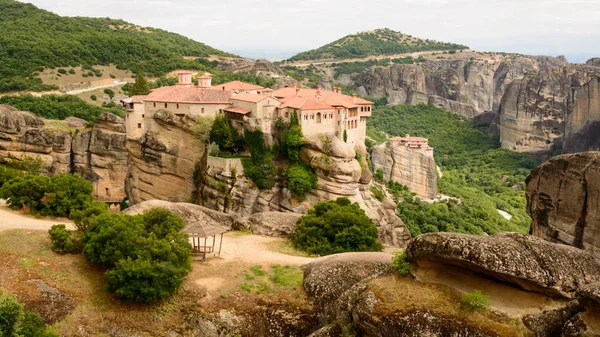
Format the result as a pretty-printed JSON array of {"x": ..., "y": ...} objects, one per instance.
[{"x": 270, "y": 27}]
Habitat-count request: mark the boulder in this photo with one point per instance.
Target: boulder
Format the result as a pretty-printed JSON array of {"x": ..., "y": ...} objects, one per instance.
[
  {"x": 522, "y": 260},
  {"x": 563, "y": 200},
  {"x": 589, "y": 294},
  {"x": 551, "y": 322},
  {"x": 275, "y": 224}
]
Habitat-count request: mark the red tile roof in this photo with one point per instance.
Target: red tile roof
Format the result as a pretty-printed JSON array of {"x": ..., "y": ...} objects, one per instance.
[
  {"x": 329, "y": 98},
  {"x": 237, "y": 85},
  {"x": 138, "y": 98},
  {"x": 189, "y": 94},
  {"x": 238, "y": 111},
  {"x": 253, "y": 98}
]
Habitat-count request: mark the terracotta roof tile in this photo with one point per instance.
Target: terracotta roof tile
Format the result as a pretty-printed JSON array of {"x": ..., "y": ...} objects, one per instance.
[
  {"x": 237, "y": 85},
  {"x": 254, "y": 98},
  {"x": 189, "y": 94},
  {"x": 326, "y": 97},
  {"x": 238, "y": 111}
]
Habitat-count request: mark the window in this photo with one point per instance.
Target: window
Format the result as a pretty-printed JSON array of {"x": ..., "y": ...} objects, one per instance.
[
  {"x": 177, "y": 105},
  {"x": 165, "y": 105},
  {"x": 143, "y": 115},
  {"x": 202, "y": 110},
  {"x": 287, "y": 114},
  {"x": 139, "y": 125},
  {"x": 155, "y": 104},
  {"x": 318, "y": 118}
]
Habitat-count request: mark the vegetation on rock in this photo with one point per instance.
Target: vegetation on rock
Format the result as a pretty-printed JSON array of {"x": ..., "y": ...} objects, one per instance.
[
  {"x": 400, "y": 265},
  {"x": 300, "y": 179},
  {"x": 55, "y": 41},
  {"x": 476, "y": 170},
  {"x": 260, "y": 168},
  {"x": 335, "y": 226},
  {"x": 377, "y": 42},
  {"x": 475, "y": 300},
  {"x": 58, "y": 106}
]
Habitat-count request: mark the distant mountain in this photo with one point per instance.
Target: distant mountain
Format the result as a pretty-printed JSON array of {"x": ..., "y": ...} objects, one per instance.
[
  {"x": 32, "y": 39},
  {"x": 377, "y": 42}
]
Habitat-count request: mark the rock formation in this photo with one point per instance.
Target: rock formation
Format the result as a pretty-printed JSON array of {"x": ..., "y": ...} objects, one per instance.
[
  {"x": 164, "y": 161},
  {"x": 518, "y": 259},
  {"x": 563, "y": 197},
  {"x": 412, "y": 166},
  {"x": 97, "y": 153}
]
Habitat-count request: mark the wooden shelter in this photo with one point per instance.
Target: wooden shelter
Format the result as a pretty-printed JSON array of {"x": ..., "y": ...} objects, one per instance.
[{"x": 204, "y": 228}]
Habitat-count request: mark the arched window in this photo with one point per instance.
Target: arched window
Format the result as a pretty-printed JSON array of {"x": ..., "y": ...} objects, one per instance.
[
  {"x": 287, "y": 114},
  {"x": 318, "y": 118},
  {"x": 202, "y": 110}
]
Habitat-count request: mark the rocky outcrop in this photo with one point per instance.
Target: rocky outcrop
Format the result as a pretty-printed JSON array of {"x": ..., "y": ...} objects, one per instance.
[
  {"x": 524, "y": 261},
  {"x": 100, "y": 156},
  {"x": 276, "y": 224},
  {"x": 260, "y": 67},
  {"x": 97, "y": 153},
  {"x": 563, "y": 197},
  {"x": 410, "y": 166},
  {"x": 582, "y": 129},
  {"x": 164, "y": 161},
  {"x": 594, "y": 62}
]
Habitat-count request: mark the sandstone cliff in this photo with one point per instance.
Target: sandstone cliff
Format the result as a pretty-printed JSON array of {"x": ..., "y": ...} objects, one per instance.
[
  {"x": 563, "y": 199},
  {"x": 97, "y": 153},
  {"x": 412, "y": 167},
  {"x": 163, "y": 162}
]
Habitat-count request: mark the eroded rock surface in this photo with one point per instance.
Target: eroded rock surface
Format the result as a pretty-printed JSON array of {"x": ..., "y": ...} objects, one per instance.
[
  {"x": 563, "y": 199},
  {"x": 522, "y": 260}
]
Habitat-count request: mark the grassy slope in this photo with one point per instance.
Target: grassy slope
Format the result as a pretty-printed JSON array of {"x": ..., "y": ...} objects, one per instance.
[
  {"x": 32, "y": 39},
  {"x": 476, "y": 170},
  {"x": 378, "y": 42}
]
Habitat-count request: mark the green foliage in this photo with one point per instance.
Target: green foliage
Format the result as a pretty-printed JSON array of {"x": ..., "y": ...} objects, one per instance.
[
  {"x": 286, "y": 276},
  {"x": 260, "y": 168},
  {"x": 379, "y": 175},
  {"x": 58, "y": 195},
  {"x": 34, "y": 38},
  {"x": 378, "y": 42},
  {"x": 301, "y": 179},
  {"x": 65, "y": 241},
  {"x": 377, "y": 193},
  {"x": 93, "y": 97},
  {"x": 260, "y": 281},
  {"x": 92, "y": 209},
  {"x": 345, "y": 136},
  {"x": 224, "y": 134},
  {"x": 58, "y": 106},
  {"x": 213, "y": 149},
  {"x": 8, "y": 173},
  {"x": 72, "y": 71},
  {"x": 140, "y": 87},
  {"x": 14, "y": 322},
  {"x": 309, "y": 74},
  {"x": 109, "y": 92},
  {"x": 335, "y": 226},
  {"x": 475, "y": 300},
  {"x": 146, "y": 256},
  {"x": 292, "y": 141},
  {"x": 476, "y": 170},
  {"x": 62, "y": 71},
  {"x": 358, "y": 66},
  {"x": 203, "y": 127},
  {"x": 11, "y": 312},
  {"x": 400, "y": 265}
]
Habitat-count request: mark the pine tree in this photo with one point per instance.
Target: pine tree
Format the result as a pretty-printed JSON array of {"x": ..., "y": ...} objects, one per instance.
[{"x": 140, "y": 87}]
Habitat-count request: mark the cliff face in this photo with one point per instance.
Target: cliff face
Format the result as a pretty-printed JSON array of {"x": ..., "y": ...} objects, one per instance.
[
  {"x": 563, "y": 199},
  {"x": 163, "y": 162},
  {"x": 97, "y": 153},
  {"x": 582, "y": 129},
  {"x": 412, "y": 167}
]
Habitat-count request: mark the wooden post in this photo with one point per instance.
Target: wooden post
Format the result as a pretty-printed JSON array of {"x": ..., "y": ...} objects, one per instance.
[
  {"x": 213, "y": 247},
  {"x": 220, "y": 244},
  {"x": 204, "y": 249}
]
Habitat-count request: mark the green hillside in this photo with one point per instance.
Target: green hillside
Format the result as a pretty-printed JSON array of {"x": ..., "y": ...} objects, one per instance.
[
  {"x": 377, "y": 42},
  {"x": 32, "y": 39}
]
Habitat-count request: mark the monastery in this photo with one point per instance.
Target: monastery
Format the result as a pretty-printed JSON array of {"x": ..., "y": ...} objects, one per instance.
[{"x": 247, "y": 105}]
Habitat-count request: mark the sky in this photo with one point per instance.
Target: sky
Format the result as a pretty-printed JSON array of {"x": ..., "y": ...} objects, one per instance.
[{"x": 278, "y": 29}]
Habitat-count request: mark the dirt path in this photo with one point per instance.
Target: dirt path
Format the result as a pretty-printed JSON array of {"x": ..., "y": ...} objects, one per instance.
[{"x": 10, "y": 219}]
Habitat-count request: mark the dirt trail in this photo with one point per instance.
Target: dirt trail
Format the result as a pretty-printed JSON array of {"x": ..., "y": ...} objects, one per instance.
[{"x": 10, "y": 219}]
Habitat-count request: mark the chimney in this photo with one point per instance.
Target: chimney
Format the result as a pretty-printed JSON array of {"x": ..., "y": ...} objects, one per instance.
[
  {"x": 184, "y": 78},
  {"x": 354, "y": 98}
]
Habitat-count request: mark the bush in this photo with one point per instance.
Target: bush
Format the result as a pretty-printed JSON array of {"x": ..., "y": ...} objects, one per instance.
[
  {"x": 14, "y": 322},
  {"x": 93, "y": 97},
  {"x": 335, "y": 226},
  {"x": 379, "y": 175},
  {"x": 62, "y": 71},
  {"x": 400, "y": 265},
  {"x": 82, "y": 217},
  {"x": 224, "y": 134},
  {"x": 109, "y": 92},
  {"x": 58, "y": 195},
  {"x": 65, "y": 241},
  {"x": 146, "y": 256},
  {"x": 72, "y": 71},
  {"x": 260, "y": 168},
  {"x": 377, "y": 193},
  {"x": 301, "y": 179},
  {"x": 474, "y": 301}
]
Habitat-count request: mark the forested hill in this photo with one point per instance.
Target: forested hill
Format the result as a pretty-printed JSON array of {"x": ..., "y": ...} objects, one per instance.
[
  {"x": 377, "y": 42},
  {"x": 32, "y": 39}
]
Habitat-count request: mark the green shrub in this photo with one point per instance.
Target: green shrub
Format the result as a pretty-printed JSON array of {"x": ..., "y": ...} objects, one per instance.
[
  {"x": 112, "y": 76},
  {"x": 109, "y": 92},
  {"x": 301, "y": 179},
  {"x": 260, "y": 168},
  {"x": 72, "y": 71},
  {"x": 65, "y": 241},
  {"x": 62, "y": 71},
  {"x": 377, "y": 193},
  {"x": 475, "y": 300},
  {"x": 335, "y": 226},
  {"x": 379, "y": 175},
  {"x": 11, "y": 313},
  {"x": 345, "y": 136},
  {"x": 224, "y": 134},
  {"x": 400, "y": 265},
  {"x": 82, "y": 217},
  {"x": 146, "y": 256},
  {"x": 93, "y": 97}
]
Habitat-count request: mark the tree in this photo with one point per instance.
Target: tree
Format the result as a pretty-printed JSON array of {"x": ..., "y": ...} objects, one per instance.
[
  {"x": 300, "y": 180},
  {"x": 109, "y": 92},
  {"x": 345, "y": 136},
  {"x": 336, "y": 226},
  {"x": 224, "y": 134},
  {"x": 11, "y": 312},
  {"x": 140, "y": 87}
]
